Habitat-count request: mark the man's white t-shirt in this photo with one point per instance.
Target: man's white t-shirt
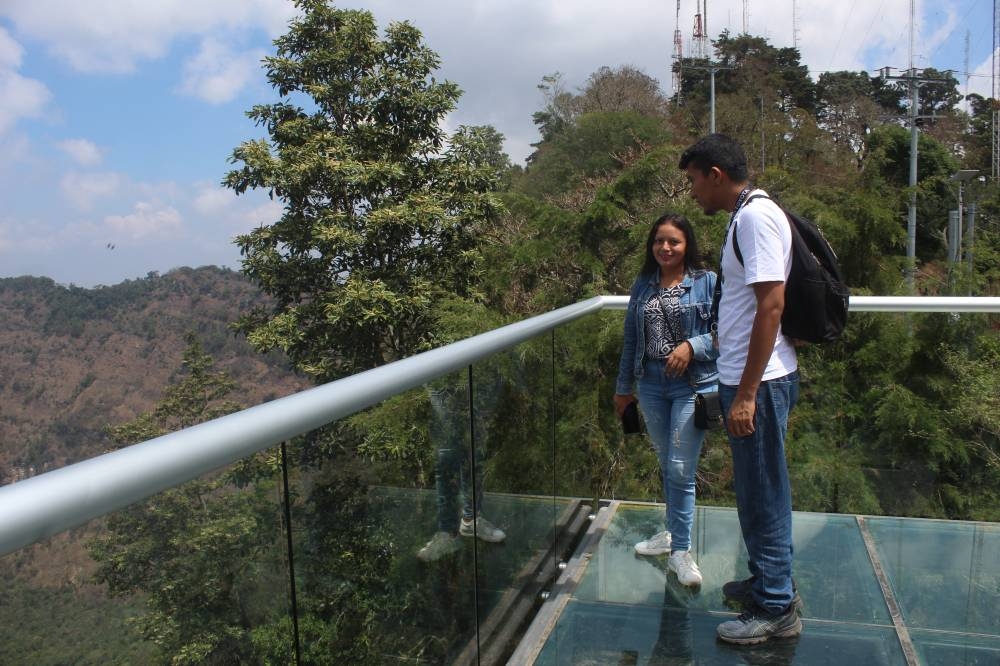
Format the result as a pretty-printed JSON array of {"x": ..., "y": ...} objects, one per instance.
[{"x": 765, "y": 240}]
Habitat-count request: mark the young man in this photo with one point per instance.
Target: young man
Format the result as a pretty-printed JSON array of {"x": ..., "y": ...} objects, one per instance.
[{"x": 758, "y": 383}]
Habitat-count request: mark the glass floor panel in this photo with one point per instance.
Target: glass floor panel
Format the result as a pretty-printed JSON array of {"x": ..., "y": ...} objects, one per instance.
[
  {"x": 602, "y": 633},
  {"x": 945, "y": 574},
  {"x": 628, "y": 609}
]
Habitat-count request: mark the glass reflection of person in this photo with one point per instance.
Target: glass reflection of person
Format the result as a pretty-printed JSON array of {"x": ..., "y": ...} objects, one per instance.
[
  {"x": 669, "y": 352},
  {"x": 459, "y": 465}
]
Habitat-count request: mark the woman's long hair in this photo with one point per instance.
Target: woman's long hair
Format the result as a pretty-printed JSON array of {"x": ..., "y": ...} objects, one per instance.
[{"x": 692, "y": 257}]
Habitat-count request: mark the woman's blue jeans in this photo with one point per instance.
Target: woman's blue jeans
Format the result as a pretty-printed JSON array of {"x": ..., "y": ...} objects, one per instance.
[
  {"x": 668, "y": 409},
  {"x": 763, "y": 491}
]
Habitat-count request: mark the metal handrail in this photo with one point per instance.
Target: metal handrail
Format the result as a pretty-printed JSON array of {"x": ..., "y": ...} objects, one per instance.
[{"x": 64, "y": 498}]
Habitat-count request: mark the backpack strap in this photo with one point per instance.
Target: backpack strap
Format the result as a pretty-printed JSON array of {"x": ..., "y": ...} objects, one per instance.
[{"x": 717, "y": 296}]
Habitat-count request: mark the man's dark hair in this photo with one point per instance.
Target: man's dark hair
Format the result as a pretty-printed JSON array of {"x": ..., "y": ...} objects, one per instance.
[
  {"x": 717, "y": 150},
  {"x": 692, "y": 257}
]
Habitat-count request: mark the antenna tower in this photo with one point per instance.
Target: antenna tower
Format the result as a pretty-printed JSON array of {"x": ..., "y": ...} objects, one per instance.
[
  {"x": 966, "y": 71},
  {"x": 678, "y": 55},
  {"x": 698, "y": 36},
  {"x": 746, "y": 17},
  {"x": 795, "y": 25}
]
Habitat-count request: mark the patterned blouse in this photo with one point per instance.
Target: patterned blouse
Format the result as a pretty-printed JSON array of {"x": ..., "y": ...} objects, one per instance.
[{"x": 662, "y": 316}]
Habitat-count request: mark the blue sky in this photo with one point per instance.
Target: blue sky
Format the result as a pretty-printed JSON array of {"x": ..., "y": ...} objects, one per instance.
[{"x": 117, "y": 117}]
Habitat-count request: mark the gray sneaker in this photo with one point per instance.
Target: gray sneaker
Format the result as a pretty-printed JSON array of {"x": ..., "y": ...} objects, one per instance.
[
  {"x": 756, "y": 625},
  {"x": 482, "y": 528},
  {"x": 658, "y": 544},
  {"x": 441, "y": 544},
  {"x": 740, "y": 592}
]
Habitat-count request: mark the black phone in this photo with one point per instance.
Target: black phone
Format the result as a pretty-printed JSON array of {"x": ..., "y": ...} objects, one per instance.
[{"x": 630, "y": 419}]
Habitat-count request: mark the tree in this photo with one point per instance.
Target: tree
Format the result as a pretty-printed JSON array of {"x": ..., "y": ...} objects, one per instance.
[
  {"x": 850, "y": 104},
  {"x": 203, "y": 555},
  {"x": 381, "y": 207},
  {"x": 753, "y": 67},
  {"x": 941, "y": 95}
]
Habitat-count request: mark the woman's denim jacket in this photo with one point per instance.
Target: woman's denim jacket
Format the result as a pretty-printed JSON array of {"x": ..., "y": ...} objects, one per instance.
[{"x": 696, "y": 321}]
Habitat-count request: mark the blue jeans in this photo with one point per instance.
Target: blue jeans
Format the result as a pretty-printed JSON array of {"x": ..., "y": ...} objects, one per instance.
[
  {"x": 668, "y": 408},
  {"x": 763, "y": 492},
  {"x": 459, "y": 461}
]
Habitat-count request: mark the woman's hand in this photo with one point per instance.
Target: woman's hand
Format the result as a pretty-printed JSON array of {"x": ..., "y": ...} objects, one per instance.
[
  {"x": 621, "y": 402},
  {"x": 677, "y": 362}
]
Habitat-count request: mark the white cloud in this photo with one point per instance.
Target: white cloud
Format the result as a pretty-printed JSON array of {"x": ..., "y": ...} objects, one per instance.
[
  {"x": 216, "y": 74},
  {"x": 213, "y": 200},
  {"x": 268, "y": 212},
  {"x": 147, "y": 220},
  {"x": 20, "y": 97},
  {"x": 10, "y": 51},
  {"x": 14, "y": 149},
  {"x": 114, "y": 36},
  {"x": 83, "y": 152},
  {"x": 83, "y": 190}
]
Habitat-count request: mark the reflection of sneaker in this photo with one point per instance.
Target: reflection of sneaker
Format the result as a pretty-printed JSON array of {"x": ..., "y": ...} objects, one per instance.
[
  {"x": 755, "y": 625},
  {"x": 482, "y": 528},
  {"x": 658, "y": 544},
  {"x": 682, "y": 564},
  {"x": 441, "y": 544},
  {"x": 740, "y": 592}
]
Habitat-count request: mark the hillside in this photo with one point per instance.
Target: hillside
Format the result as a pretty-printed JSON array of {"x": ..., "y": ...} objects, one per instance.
[{"x": 73, "y": 360}]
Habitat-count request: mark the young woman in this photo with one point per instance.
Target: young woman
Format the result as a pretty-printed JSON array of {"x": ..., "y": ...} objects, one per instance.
[{"x": 669, "y": 352}]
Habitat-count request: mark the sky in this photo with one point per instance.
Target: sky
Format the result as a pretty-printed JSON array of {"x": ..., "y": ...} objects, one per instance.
[{"x": 118, "y": 117}]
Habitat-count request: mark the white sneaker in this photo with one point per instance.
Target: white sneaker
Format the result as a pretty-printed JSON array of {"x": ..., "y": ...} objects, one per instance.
[
  {"x": 441, "y": 544},
  {"x": 482, "y": 528},
  {"x": 658, "y": 544},
  {"x": 682, "y": 564}
]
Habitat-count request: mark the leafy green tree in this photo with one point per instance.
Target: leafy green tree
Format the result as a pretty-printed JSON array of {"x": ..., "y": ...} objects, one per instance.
[
  {"x": 850, "y": 104},
  {"x": 203, "y": 555},
  {"x": 750, "y": 67},
  {"x": 940, "y": 95},
  {"x": 381, "y": 207}
]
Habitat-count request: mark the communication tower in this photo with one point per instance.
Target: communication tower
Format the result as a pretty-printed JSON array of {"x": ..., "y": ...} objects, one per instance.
[
  {"x": 678, "y": 54},
  {"x": 698, "y": 39}
]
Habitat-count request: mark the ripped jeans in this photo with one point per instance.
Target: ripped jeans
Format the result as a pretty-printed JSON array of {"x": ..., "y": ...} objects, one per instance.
[{"x": 668, "y": 408}]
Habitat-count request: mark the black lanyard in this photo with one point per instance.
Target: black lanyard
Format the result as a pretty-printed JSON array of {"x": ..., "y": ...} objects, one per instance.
[{"x": 717, "y": 296}]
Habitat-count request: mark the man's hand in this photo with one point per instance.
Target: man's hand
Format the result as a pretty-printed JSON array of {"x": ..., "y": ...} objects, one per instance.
[
  {"x": 740, "y": 422},
  {"x": 770, "y": 304}
]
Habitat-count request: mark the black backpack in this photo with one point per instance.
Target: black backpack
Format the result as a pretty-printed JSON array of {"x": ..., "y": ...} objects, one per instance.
[{"x": 816, "y": 298}]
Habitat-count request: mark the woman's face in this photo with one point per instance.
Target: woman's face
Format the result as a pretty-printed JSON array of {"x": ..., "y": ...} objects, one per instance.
[{"x": 669, "y": 246}]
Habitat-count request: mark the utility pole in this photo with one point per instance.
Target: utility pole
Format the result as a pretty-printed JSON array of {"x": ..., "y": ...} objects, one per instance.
[
  {"x": 699, "y": 51},
  {"x": 914, "y": 79}
]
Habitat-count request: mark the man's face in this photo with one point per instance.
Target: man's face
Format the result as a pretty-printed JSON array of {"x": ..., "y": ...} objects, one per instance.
[{"x": 704, "y": 188}]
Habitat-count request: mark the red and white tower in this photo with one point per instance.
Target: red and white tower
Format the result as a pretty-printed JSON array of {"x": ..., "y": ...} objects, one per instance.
[
  {"x": 678, "y": 55},
  {"x": 698, "y": 39}
]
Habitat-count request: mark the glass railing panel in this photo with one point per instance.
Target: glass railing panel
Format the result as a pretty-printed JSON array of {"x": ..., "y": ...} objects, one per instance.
[
  {"x": 592, "y": 458},
  {"x": 900, "y": 418},
  {"x": 512, "y": 427},
  {"x": 198, "y": 572},
  {"x": 382, "y": 573}
]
